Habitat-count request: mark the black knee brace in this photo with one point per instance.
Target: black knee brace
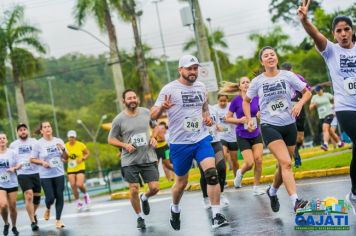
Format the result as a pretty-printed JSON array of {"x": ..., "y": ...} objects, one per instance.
[
  {"x": 36, "y": 200},
  {"x": 211, "y": 176}
]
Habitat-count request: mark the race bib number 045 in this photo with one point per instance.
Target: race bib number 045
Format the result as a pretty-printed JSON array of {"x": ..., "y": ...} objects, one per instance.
[
  {"x": 276, "y": 107},
  {"x": 192, "y": 124},
  {"x": 350, "y": 85}
]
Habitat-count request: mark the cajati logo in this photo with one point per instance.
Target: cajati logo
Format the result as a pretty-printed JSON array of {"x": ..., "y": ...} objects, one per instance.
[{"x": 328, "y": 214}]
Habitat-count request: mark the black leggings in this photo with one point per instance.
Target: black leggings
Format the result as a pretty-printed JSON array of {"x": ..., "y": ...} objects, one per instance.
[
  {"x": 53, "y": 189},
  {"x": 347, "y": 122},
  {"x": 220, "y": 166}
]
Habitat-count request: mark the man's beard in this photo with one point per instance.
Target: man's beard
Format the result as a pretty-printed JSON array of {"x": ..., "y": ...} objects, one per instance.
[
  {"x": 23, "y": 137},
  {"x": 130, "y": 105},
  {"x": 190, "y": 78}
]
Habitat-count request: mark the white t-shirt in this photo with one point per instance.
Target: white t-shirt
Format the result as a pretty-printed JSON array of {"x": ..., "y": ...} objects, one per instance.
[
  {"x": 7, "y": 160},
  {"x": 23, "y": 150},
  {"x": 341, "y": 63},
  {"x": 275, "y": 96},
  {"x": 186, "y": 116},
  {"x": 228, "y": 133},
  {"x": 213, "y": 129},
  {"x": 48, "y": 151}
]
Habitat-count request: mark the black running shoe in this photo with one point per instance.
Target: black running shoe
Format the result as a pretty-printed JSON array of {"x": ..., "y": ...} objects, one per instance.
[
  {"x": 175, "y": 221},
  {"x": 300, "y": 203},
  {"x": 36, "y": 221},
  {"x": 145, "y": 206},
  {"x": 274, "y": 201},
  {"x": 34, "y": 226},
  {"x": 219, "y": 221},
  {"x": 6, "y": 229},
  {"x": 14, "y": 231},
  {"x": 141, "y": 223}
]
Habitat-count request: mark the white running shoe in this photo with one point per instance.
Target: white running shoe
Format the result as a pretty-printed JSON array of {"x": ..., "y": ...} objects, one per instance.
[
  {"x": 80, "y": 205},
  {"x": 257, "y": 191},
  {"x": 206, "y": 203},
  {"x": 224, "y": 202},
  {"x": 238, "y": 179},
  {"x": 351, "y": 201}
]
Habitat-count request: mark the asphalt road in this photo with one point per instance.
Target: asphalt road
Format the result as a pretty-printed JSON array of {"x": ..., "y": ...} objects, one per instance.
[{"x": 248, "y": 214}]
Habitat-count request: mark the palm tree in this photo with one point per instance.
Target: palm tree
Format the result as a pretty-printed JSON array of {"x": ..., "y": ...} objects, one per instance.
[
  {"x": 217, "y": 41},
  {"x": 19, "y": 37},
  {"x": 101, "y": 12},
  {"x": 128, "y": 13}
]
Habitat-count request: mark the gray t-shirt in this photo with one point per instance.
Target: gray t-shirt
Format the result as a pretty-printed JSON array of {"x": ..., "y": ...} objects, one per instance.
[
  {"x": 23, "y": 150},
  {"x": 341, "y": 63},
  {"x": 7, "y": 160},
  {"x": 134, "y": 130},
  {"x": 228, "y": 133},
  {"x": 275, "y": 96}
]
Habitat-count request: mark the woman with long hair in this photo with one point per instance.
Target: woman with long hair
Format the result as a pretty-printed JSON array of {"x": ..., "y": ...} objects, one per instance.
[
  {"x": 250, "y": 143},
  {"x": 49, "y": 153},
  {"x": 274, "y": 88},
  {"x": 8, "y": 185},
  {"x": 340, "y": 57}
]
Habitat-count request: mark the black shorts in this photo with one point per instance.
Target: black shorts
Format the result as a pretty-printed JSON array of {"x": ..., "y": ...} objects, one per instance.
[
  {"x": 300, "y": 121},
  {"x": 32, "y": 181},
  {"x": 287, "y": 133},
  {"x": 149, "y": 173},
  {"x": 231, "y": 146},
  {"x": 327, "y": 119},
  {"x": 76, "y": 172},
  {"x": 247, "y": 143},
  {"x": 10, "y": 190},
  {"x": 161, "y": 152}
]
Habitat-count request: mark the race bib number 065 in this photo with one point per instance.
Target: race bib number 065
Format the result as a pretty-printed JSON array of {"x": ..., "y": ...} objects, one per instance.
[
  {"x": 350, "y": 85},
  {"x": 192, "y": 124},
  {"x": 277, "y": 106}
]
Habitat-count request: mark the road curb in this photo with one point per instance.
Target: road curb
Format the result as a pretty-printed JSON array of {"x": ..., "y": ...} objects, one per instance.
[{"x": 264, "y": 179}]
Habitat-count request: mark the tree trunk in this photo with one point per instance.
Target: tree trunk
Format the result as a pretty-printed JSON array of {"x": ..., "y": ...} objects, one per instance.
[
  {"x": 115, "y": 58},
  {"x": 20, "y": 103},
  {"x": 142, "y": 69}
]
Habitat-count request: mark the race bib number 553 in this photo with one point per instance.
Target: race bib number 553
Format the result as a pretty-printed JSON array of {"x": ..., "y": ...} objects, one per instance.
[
  {"x": 350, "y": 85},
  {"x": 277, "y": 106},
  {"x": 192, "y": 124}
]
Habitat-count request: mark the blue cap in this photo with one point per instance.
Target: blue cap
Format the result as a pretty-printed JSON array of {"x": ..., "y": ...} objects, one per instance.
[{"x": 318, "y": 88}]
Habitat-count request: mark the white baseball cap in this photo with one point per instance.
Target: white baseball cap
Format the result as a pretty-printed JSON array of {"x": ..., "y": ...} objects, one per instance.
[
  {"x": 188, "y": 60},
  {"x": 72, "y": 133}
]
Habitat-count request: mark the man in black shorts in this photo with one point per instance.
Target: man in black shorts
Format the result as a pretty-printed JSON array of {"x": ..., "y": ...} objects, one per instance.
[
  {"x": 130, "y": 132},
  {"x": 28, "y": 176}
]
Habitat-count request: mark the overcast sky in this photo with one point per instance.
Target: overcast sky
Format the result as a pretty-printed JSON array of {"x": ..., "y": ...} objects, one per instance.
[{"x": 236, "y": 18}]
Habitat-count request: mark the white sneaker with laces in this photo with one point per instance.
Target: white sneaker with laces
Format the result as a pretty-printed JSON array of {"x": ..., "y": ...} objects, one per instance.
[
  {"x": 224, "y": 202},
  {"x": 238, "y": 179},
  {"x": 257, "y": 191},
  {"x": 206, "y": 203}
]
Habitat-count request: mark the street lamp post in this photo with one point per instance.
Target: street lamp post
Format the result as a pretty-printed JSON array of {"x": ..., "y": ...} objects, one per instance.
[
  {"x": 49, "y": 79},
  {"x": 94, "y": 137},
  {"x": 162, "y": 40},
  {"x": 217, "y": 59},
  {"x": 115, "y": 63}
]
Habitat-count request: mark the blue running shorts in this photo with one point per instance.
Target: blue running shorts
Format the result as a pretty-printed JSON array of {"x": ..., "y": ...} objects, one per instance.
[{"x": 182, "y": 155}]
